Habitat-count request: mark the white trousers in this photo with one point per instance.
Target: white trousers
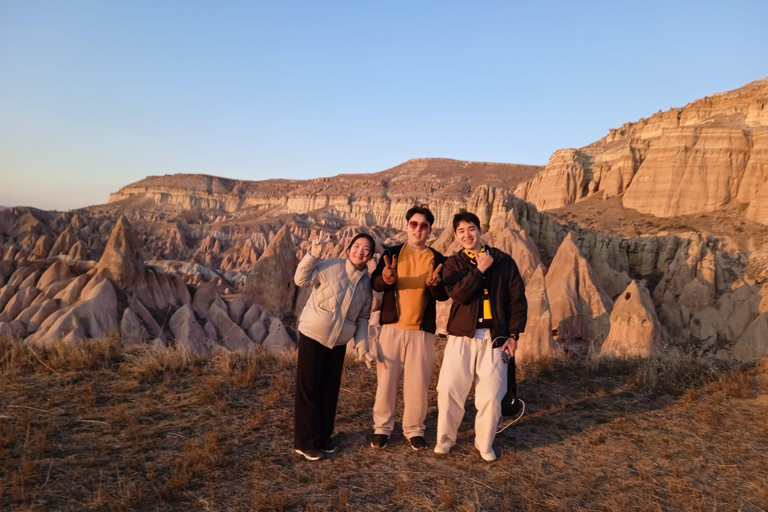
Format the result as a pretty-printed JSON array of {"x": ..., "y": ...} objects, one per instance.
[
  {"x": 464, "y": 359},
  {"x": 412, "y": 355}
]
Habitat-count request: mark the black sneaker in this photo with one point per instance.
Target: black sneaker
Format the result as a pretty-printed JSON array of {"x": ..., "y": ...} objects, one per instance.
[
  {"x": 418, "y": 443},
  {"x": 328, "y": 446},
  {"x": 379, "y": 441},
  {"x": 310, "y": 454},
  {"x": 511, "y": 415}
]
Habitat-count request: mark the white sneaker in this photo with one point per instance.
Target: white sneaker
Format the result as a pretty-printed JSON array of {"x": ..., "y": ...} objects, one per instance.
[
  {"x": 488, "y": 456},
  {"x": 442, "y": 449},
  {"x": 311, "y": 454}
]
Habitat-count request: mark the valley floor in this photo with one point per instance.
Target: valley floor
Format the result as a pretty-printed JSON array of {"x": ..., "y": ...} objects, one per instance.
[{"x": 95, "y": 428}]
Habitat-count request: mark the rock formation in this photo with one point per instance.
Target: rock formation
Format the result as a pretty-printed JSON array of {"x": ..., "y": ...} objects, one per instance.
[
  {"x": 753, "y": 344},
  {"x": 635, "y": 328},
  {"x": 675, "y": 200},
  {"x": 693, "y": 159},
  {"x": 579, "y": 307},
  {"x": 122, "y": 257},
  {"x": 536, "y": 341},
  {"x": 381, "y": 198},
  {"x": 271, "y": 280}
]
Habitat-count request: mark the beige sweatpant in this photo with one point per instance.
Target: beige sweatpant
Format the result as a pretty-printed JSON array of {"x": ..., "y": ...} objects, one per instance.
[
  {"x": 464, "y": 359},
  {"x": 407, "y": 353}
]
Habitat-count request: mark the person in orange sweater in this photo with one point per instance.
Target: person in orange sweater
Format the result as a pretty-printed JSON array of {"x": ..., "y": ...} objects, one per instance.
[{"x": 409, "y": 276}]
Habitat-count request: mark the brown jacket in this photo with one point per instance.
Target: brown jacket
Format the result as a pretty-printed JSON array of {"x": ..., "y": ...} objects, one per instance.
[
  {"x": 389, "y": 301},
  {"x": 464, "y": 284}
]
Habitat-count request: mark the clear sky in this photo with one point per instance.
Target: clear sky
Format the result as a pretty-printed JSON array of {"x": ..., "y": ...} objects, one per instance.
[{"x": 95, "y": 95}]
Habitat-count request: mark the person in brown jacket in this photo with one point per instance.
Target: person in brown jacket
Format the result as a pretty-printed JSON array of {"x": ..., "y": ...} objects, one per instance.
[
  {"x": 409, "y": 276},
  {"x": 488, "y": 314}
]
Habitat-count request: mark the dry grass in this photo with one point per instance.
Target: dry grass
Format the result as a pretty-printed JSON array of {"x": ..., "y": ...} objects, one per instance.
[{"x": 93, "y": 427}]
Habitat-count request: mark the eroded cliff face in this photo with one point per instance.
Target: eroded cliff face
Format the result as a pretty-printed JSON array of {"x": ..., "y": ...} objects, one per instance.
[
  {"x": 370, "y": 199},
  {"x": 215, "y": 256},
  {"x": 687, "y": 160}
]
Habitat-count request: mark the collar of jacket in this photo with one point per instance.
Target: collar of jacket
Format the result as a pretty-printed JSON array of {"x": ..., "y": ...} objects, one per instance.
[
  {"x": 473, "y": 257},
  {"x": 352, "y": 272}
]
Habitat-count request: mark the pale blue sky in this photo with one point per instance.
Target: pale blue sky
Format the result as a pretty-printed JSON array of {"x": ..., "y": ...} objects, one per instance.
[{"x": 96, "y": 95}]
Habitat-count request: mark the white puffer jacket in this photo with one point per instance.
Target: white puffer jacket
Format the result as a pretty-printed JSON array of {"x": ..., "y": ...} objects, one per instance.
[{"x": 340, "y": 304}]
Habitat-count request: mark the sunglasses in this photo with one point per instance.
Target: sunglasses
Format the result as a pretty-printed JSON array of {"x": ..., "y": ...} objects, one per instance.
[{"x": 423, "y": 225}]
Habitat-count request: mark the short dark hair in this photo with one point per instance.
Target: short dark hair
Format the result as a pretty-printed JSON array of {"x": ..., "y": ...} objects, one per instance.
[
  {"x": 367, "y": 237},
  {"x": 465, "y": 217},
  {"x": 422, "y": 209}
]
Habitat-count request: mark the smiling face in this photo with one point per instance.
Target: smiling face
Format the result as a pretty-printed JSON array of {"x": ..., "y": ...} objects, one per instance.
[
  {"x": 360, "y": 253},
  {"x": 468, "y": 235},
  {"x": 418, "y": 230}
]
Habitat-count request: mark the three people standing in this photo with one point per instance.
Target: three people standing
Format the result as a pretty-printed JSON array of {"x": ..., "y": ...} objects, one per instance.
[{"x": 487, "y": 315}]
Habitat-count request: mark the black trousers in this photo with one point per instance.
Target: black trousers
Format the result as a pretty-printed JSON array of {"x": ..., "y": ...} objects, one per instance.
[{"x": 318, "y": 379}]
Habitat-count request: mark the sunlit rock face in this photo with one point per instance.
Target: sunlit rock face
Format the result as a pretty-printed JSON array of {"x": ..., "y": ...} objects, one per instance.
[
  {"x": 635, "y": 327},
  {"x": 688, "y": 160},
  {"x": 675, "y": 201},
  {"x": 579, "y": 306}
]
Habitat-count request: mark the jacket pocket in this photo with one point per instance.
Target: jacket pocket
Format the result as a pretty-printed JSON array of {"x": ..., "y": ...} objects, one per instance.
[{"x": 326, "y": 304}]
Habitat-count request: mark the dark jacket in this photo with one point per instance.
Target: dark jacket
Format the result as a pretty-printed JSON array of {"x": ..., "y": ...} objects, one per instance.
[
  {"x": 464, "y": 284},
  {"x": 389, "y": 313}
]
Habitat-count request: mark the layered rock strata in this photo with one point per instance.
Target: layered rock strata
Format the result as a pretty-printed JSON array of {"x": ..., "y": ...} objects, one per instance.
[{"x": 693, "y": 159}]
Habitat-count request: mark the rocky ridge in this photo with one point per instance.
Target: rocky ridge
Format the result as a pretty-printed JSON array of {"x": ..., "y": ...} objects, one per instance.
[
  {"x": 370, "y": 199},
  {"x": 206, "y": 262},
  {"x": 688, "y": 160}
]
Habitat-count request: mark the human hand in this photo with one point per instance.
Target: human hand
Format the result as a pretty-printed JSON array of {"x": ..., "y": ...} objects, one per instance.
[
  {"x": 511, "y": 345},
  {"x": 484, "y": 261},
  {"x": 433, "y": 274},
  {"x": 363, "y": 356},
  {"x": 317, "y": 247},
  {"x": 390, "y": 270}
]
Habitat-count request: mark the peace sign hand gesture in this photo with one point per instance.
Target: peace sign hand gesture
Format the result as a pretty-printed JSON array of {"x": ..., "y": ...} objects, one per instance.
[
  {"x": 433, "y": 274},
  {"x": 390, "y": 270},
  {"x": 317, "y": 246}
]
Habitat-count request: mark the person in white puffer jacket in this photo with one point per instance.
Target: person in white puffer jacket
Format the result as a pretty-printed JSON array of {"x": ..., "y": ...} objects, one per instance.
[{"x": 337, "y": 310}]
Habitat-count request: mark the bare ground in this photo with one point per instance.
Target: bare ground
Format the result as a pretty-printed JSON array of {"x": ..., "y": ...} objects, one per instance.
[{"x": 97, "y": 428}]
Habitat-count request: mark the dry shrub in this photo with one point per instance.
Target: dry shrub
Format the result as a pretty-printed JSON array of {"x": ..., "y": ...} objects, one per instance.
[
  {"x": 86, "y": 393},
  {"x": 38, "y": 441},
  {"x": 91, "y": 355},
  {"x": 597, "y": 365},
  {"x": 675, "y": 374},
  {"x": 20, "y": 479},
  {"x": 740, "y": 384},
  {"x": 446, "y": 491},
  {"x": 277, "y": 392},
  {"x": 236, "y": 368},
  {"x": 546, "y": 366},
  {"x": 197, "y": 459},
  {"x": 150, "y": 364},
  {"x": 281, "y": 361},
  {"x": 14, "y": 358},
  {"x": 19, "y": 357}
]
